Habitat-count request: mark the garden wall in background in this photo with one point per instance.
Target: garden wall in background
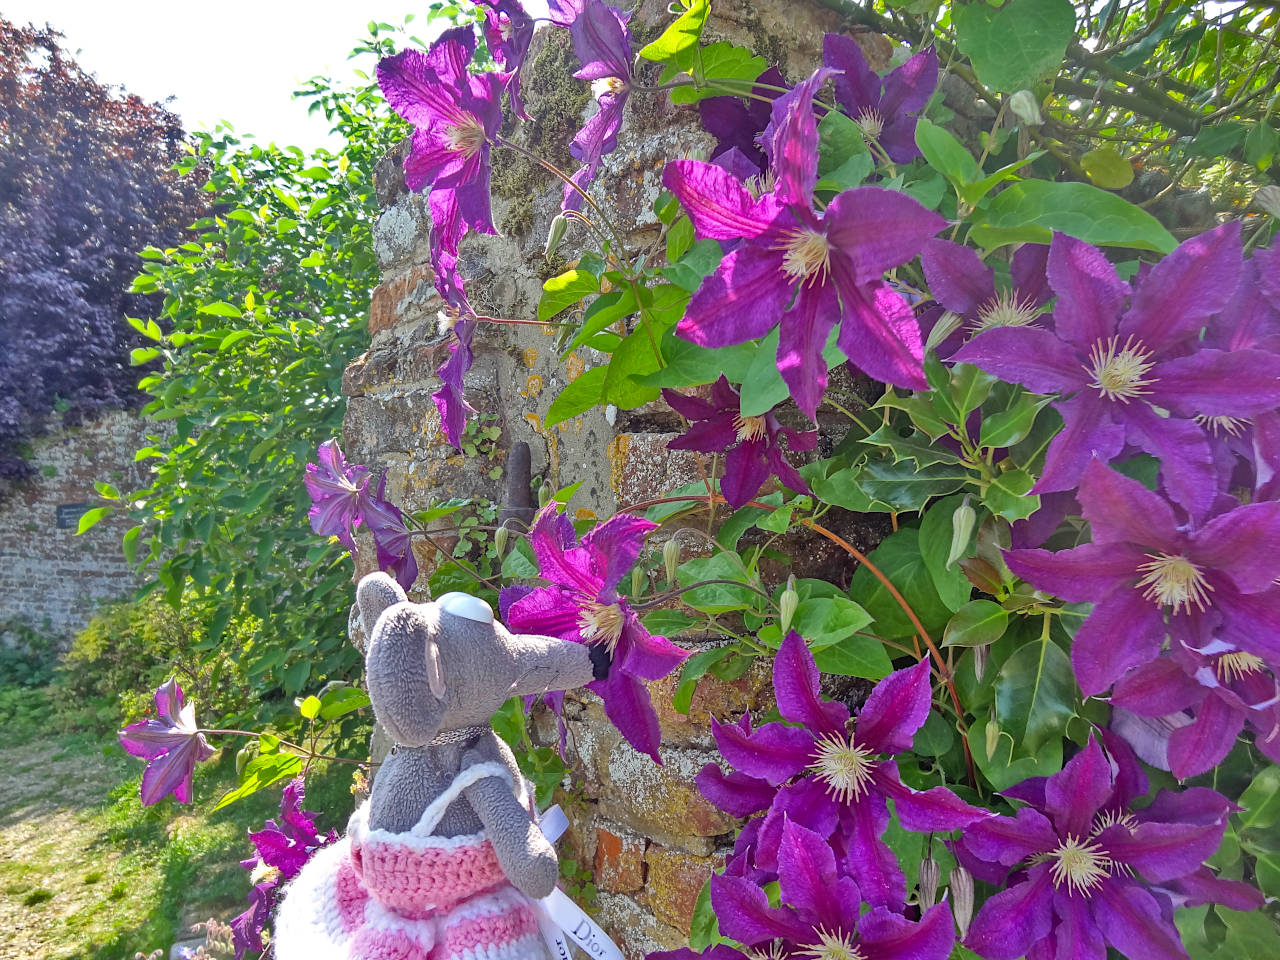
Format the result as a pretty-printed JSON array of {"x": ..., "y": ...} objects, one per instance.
[
  {"x": 47, "y": 573},
  {"x": 643, "y": 831}
]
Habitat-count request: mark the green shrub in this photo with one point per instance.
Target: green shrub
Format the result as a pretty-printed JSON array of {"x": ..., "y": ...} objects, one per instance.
[{"x": 27, "y": 655}]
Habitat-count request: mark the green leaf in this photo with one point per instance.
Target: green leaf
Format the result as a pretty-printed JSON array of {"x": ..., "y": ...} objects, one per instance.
[
  {"x": 1000, "y": 767},
  {"x": 1010, "y": 496},
  {"x": 220, "y": 310},
  {"x": 688, "y": 364},
  {"x": 667, "y": 623},
  {"x": 1035, "y": 694},
  {"x": 1261, "y": 800},
  {"x": 903, "y": 486},
  {"x": 106, "y": 490},
  {"x": 140, "y": 355},
  {"x": 605, "y": 311},
  {"x": 309, "y": 708},
  {"x": 843, "y": 158},
  {"x": 699, "y": 261},
  {"x": 822, "y": 621},
  {"x": 976, "y": 624},
  {"x": 945, "y": 153},
  {"x": 974, "y": 192},
  {"x": 129, "y": 544},
  {"x": 1031, "y": 210},
  {"x": 715, "y": 597},
  {"x": 704, "y": 930},
  {"x": 695, "y": 668},
  {"x": 90, "y": 518},
  {"x": 677, "y": 45},
  {"x": 1216, "y": 140},
  {"x": 763, "y": 389},
  {"x": 733, "y": 66},
  {"x": 1012, "y": 424},
  {"x": 855, "y": 656},
  {"x": 1014, "y": 46},
  {"x": 262, "y": 771},
  {"x": 340, "y": 701},
  {"x": 295, "y": 676},
  {"x": 898, "y": 558},
  {"x": 519, "y": 563},
  {"x": 916, "y": 447},
  {"x": 564, "y": 291},
  {"x": 1250, "y": 933},
  {"x": 232, "y": 338},
  {"x": 633, "y": 359},
  {"x": 578, "y": 397},
  {"x": 969, "y": 387},
  {"x": 1261, "y": 144},
  {"x": 1107, "y": 168}
]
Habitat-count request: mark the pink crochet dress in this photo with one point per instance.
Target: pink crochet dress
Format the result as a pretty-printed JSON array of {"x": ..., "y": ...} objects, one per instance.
[{"x": 377, "y": 895}]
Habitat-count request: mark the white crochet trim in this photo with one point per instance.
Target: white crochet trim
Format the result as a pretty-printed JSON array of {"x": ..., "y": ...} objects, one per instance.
[
  {"x": 430, "y": 818},
  {"x": 307, "y": 925},
  {"x": 491, "y": 904}
]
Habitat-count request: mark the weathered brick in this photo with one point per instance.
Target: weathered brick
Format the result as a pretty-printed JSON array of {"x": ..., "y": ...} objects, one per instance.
[
  {"x": 642, "y": 468},
  {"x": 634, "y": 928},
  {"x": 385, "y": 304},
  {"x": 619, "y": 862},
  {"x": 723, "y": 700},
  {"x": 673, "y": 882}
]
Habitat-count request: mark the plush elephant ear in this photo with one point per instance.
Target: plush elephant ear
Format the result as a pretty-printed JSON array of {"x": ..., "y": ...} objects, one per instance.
[
  {"x": 376, "y": 592},
  {"x": 435, "y": 672}
]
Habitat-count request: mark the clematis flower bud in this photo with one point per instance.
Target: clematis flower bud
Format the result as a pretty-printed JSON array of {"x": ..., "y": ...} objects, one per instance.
[
  {"x": 500, "y": 537},
  {"x": 961, "y": 884},
  {"x": 930, "y": 875},
  {"x": 962, "y": 522},
  {"x": 1026, "y": 108},
  {"x": 637, "y": 581},
  {"x": 787, "y": 605},
  {"x": 671, "y": 558},
  {"x": 559, "y": 225},
  {"x": 545, "y": 493}
]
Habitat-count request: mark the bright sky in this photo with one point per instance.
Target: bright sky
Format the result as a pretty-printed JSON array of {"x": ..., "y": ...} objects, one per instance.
[{"x": 234, "y": 60}]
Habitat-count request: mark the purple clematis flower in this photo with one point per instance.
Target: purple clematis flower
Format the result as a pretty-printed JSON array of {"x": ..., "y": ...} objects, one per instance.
[
  {"x": 966, "y": 287},
  {"x": 1143, "y": 565},
  {"x": 1224, "y": 689},
  {"x": 508, "y": 30},
  {"x": 1115, "y": 366},
  {"x": 754, "y": 452},
  {"x": 456, "y": 116},
  {"x": 884, "y": 108},
  {"x": 172, "y": 745},
  {"x": 283, "y": 849},
  {"x": 830, "y": 263},
  {"x": 738, "y": 125},
  {"x": 602, "y": 44},
  {"x": 391, "y": 536},
  {"x": 1088, "y": 870},
  {"x": 819, "y": 916},
  {"x": 335, "y": 488},
  {"x": 582, "y": 605},
  {"x": 847, "y": 768}
]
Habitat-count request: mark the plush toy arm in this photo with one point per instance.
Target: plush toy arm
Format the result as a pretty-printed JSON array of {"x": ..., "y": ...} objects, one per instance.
[{"x": 527, "y": 859}]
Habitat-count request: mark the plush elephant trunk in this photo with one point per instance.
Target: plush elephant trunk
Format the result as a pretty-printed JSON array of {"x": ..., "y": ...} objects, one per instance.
[{"x": 545, "y": 663}]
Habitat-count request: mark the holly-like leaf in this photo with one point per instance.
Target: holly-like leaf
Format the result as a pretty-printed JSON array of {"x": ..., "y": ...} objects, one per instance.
[
  {"x": 1035, "y": 694},
  {"x": 1014, "y": 46},
  {"x": 1031, "y": 210}
]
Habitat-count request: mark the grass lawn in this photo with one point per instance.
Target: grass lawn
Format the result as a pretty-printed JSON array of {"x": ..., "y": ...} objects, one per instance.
[{"x": 87, "y": 872}]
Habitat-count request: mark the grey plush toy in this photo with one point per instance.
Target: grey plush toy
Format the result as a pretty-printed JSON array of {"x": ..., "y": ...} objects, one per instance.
[{"x": 443, "y": 859}]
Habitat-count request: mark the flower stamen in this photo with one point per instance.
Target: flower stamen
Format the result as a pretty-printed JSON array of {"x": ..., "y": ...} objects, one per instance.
[
  {"x": 606, "y": 85},
  {"x": 601, "y": 623},
  {"x": 832, "y": 945},
  {"x": 1118, "y": 372},
  {"x": 749, "y": 428},
  {"x": 845, "y": 767},
  {"x": 1006, "y": 310},
  {"x": 871, "y": 122},
  {"x": 1232, "y": 426},
  {"x": 1174, "y": 581},
  {"x": 807, "y": 254},
  {"x": 1237, "y": 665},
  {"x": 1080, "y": 865},
  {"x": 466, "y": 137}
]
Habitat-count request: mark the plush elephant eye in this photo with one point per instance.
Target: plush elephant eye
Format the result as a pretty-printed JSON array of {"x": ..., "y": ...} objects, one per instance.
[{"x": 466, "y": 606}]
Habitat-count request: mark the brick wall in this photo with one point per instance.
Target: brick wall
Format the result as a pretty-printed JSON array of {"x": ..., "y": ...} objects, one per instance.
[
  {"x": 647, "y": 835},
  {"x": 47, "y": 573}
]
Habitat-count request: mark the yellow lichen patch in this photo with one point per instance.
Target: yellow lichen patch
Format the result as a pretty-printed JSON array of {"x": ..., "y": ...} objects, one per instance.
[
  {"x": 530, "y": 356},
  {"x": 617, "y": 454},
  {"x": 574, "y": 367},
  {"x": 548, "y": 330},
  {"x": 553, "y": 445},
  {"x": 582, "y": 514},
  {"x": 532, "y": 386}
]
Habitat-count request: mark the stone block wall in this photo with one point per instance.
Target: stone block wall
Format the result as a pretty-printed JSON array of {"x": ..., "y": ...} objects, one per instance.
[
  {"x": 47, "y": 573},
  {"x": 643, "y": 831}
]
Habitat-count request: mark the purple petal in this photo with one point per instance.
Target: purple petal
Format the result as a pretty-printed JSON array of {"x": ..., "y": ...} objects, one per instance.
[
  {"x": 1241, "y": 544},
  {"x": 880, "y": 334},
  {"x": 1028, "y": 269},
  {"x": 802, "y": 337},
  {"x": 1011, "y": 921},
  {"x": 1203, "y": 887},
  {"x": 560, "y": 559},
  {"x": 1121, "y": 510},
  {"x": 742, "y": 300},
  {"x": 807, "y": 875},
  {"x": 716, "y": 201},
  {"x": 601, "y": 41},
  {"x": 1162, "y": 851},
  {"x": 643, "y": 654},
  {"x": 1088, "y": 432},
  {"x": 1075, "y": 794},
  {"x": 1186, "y": 461},
  {"x": 857, "y": 86},
  {"x": 958, "y": 279},
  {"x": 808, "y": 803},
  {"x": 1031, "y": 356},
  {"x": 791, "y": 141},
  {"x": 884, "y": 935},
  {"x": 878, "y": 229},
  {"x": 1090, "y": 294},
  {"x": 1085, "y": 573},
  {"x": 1198, "y": 805},
  {"x": 1156, "y": 689},
  {"x": 1211, "y": 383},
  {"x": 798, "y": 691},
  {"x": 1010, "y": 840},
  {"x": 546, "y": 610},
  {"x": 1251, "y": 621},
  {"x": 1132, "y": 921},
  {"x": 735, "y": 793},
  {"x": 745, "y": 915},
  {"x": 907, "y": 88},
  {"x": 1124, "y": 631},
  {"x": 869, "y": 860},
  {"x": 1205, "y": 742},
  {"x": 924, "y": 810},
  {"x": 895, "y": 710},
  {"x": 616, "y": 544},
  {"x": 773, "y": 753},
  {"x": 413, "y": 87},
  {"x": 599, "y": 135},
  {"x": 627, "y": 705},
  {"x": 169, "y": 701},
  {"x": 745, "y": 471},
  {"x": 1172, "y": 302}
]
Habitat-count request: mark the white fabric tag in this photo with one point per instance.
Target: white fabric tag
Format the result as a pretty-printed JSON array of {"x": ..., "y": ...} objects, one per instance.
[{"x": 559, "y": 916}]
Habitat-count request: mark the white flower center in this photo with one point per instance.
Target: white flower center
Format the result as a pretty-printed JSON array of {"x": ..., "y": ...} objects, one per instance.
[
  {"x": 263, "y": 872},
  {"x": 466, "y": 137},
  {"x": 845, "y": 767},
  {"x": 607, "y": 85},
  {"x": 749, "y": 428},
  {"x": 1078, "y": 864},
  {"x": 601, "y": 623},
  {"x": 1174, "y": 581},
  {"x": 761, "y": 183},
  {"x": 870, "y": 122},
  {"x": 1006, "y": 310},
  {"x": 1118, "y": 371},
  {"x": 505, "y": 28},
  {"x": 807, "y": 254},
  {"x": 1233, "y": 426},
  {"x": 1238, "y": 664},
  {"x": 832, "y": 946}
]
